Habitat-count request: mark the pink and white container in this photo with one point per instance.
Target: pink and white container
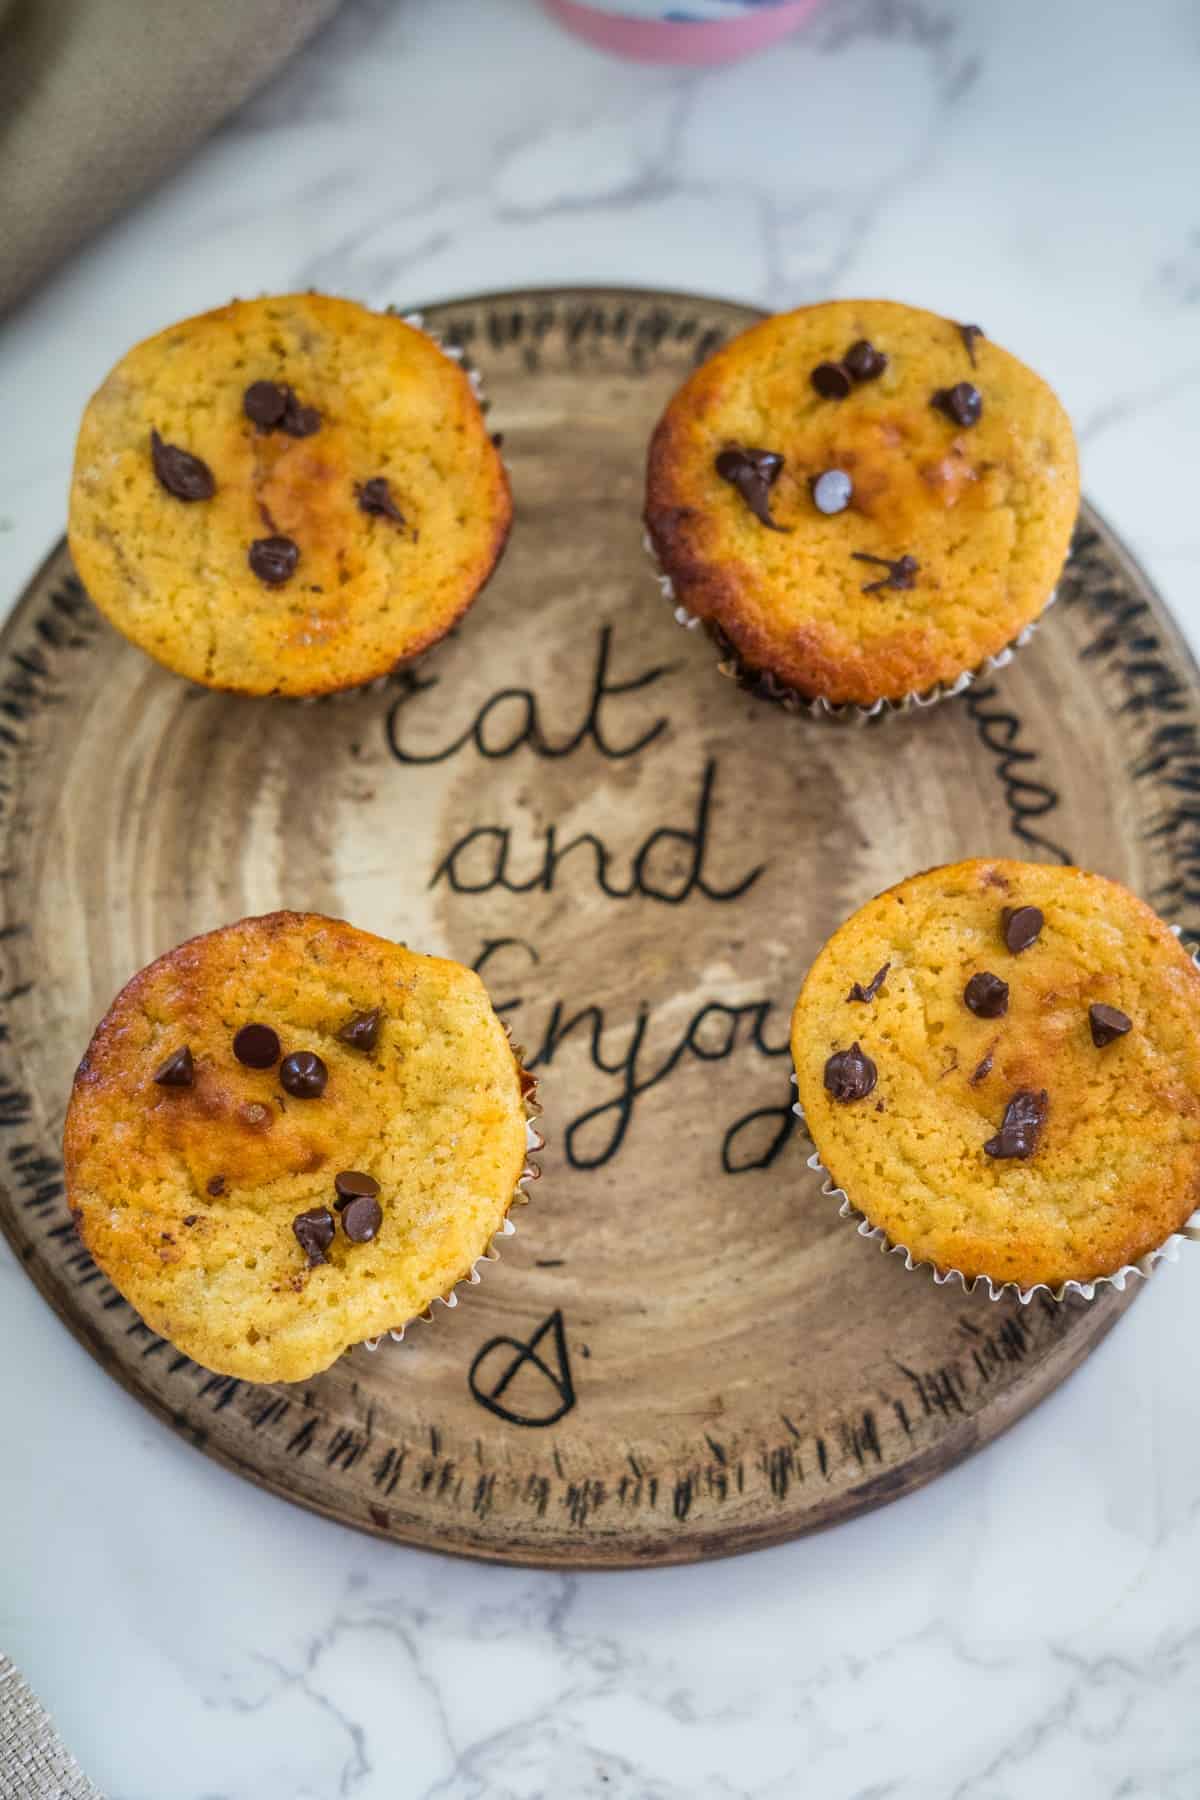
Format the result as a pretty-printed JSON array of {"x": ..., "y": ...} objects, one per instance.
[{"x": 696, "y": 31}]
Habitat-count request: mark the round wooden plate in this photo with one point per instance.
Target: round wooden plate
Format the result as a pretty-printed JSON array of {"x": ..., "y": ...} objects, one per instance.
[{"x": 684, "y": 1352}]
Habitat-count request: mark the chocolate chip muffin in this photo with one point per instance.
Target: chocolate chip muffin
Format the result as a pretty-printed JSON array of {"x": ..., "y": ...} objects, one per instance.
[
  {"x": 286, "y": 496},
  {"x": 999, "y": 1064},
  {"x": 863, "y": 503},
  {"x": 288, "y": 1136}
]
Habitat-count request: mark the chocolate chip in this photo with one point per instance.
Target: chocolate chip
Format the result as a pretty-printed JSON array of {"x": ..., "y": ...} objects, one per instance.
[
  {"x": 362, "y": 1031},
  {"x": 1108, "y": 1024},
  {"x": 177, "y": 1071},
  {"x": 831, "y": 380},
  {"x": 375, "y": 497},
  {"x": 215, "y": 1185},
  {"x": 1021, "y": 926},
  {"x": 753, "y": 473},
  {"x": 191, "y": 1218},
  {"x": 352, "y": 1184},
  {"x": 984, "y": 1069},
  {"x": 1021, "y": 1125},
  {"x": 264, "y": 403},
  {"x": 181, "y": 473},
  {"x": 299, "y": 421},
  {"x": 362, "y": 1218},
  {"x": 832, "y": 491},
  {"x": 274, "y": 559},
  {"x": 968, "y": 334},
  {"x": 314, "y": 1233},
  {"x": 864, "y": 361},
  {"x": 859, "y": 992},
  {"x": 257, "y": 1046},
  {"x": 963, "y": 403},
  {"x": 901, "y": 573},
  {"x": 498, "y": 439},
  {"x": 303, "y": 1075},
  {"x": 986, "y": 996},
  {"x": 850, "y": 1074}
]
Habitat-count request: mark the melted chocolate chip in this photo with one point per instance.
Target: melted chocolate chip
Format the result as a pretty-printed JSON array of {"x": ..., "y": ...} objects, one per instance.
[
  {"x": 274, "y": 559},
  {"x": 264, "y": 403},
  {"x": 963, "y": 403},
  {"x": 362, "y": 1218},
  {"x": 299, "y": 421},
  {"x": 832, "y": 491},
  {"x": 831, "y": 380},
  {"x": 303, "y": 1075},
  {"x": 352, "y": 1184},
  {"x": 177, "y": 1071},
  {"x": 986, "y": 996},
  {"x": 864, "y": 361},
  {"x": 375, "y": 497},
  {"x": 850, "y": 1074},
  {"x": 1021, "y": 1125},
  {"x": 215, "y": 1185},
  {"x": 257, "y": 1046},
  {"x": 181, "y": 473},
  {"x": 753, "y": 473},
  {"x": 859, "y": 992},
  {"x": 1108, "y": 1024},
  {"x": 969, "y": 334},
  {"x": 984, "y": 1069},
  {"x": 1021, "y": 926},
  {"x": 362, "y": 1031},
  {"x": 314, "y": 1233},
  {"x": 901, "y": 573}
]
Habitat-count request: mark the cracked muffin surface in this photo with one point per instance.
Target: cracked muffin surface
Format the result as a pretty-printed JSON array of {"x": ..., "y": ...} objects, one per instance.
[
  {"x": 1090, "y": 1011},
  {"x": 914, "y": 521},
  {"x": 229, "y": 1094},
  {"x": 290, "y": 495}
]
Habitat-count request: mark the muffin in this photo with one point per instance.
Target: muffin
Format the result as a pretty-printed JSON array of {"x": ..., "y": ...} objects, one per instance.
[
  {"x": 288, "y": 1136},
  {"x": 863, "y": 502},
  {"x": 999, "y": 1065},
  {"x": 286, "y": 496}
]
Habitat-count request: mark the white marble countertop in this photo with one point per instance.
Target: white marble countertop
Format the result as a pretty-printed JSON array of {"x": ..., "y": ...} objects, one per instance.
[{"x": 1030, "y": 1625}]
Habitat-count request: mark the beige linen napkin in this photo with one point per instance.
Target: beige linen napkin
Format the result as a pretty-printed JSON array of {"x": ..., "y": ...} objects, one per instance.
[
  {"x": 98, "y": 98},
  {"x": 33, "y": 1763}
]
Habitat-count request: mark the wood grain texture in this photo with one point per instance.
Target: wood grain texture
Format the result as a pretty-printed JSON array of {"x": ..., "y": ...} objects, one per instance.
[{"x": 684, "y": 1352}]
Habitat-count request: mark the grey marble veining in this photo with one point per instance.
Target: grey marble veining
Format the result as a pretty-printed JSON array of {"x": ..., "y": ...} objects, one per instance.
[{"x": 1030, "y": 1625}]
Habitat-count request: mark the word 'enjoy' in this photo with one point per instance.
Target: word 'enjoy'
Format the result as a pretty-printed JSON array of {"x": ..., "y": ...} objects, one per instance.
[{"x": 712, "y": 1034}]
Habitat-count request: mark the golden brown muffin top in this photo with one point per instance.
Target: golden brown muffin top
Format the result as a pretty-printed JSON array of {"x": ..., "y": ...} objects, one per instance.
[
  {"x": 186, "y": 1194},
  {"x": 345, "y": 399},
  {"x": 1112, "y": 1169},
  {"x": 984, "y": 510}
]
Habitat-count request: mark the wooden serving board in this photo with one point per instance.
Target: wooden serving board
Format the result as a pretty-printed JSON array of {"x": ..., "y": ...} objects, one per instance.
[{"x": 684, "y": 1352}]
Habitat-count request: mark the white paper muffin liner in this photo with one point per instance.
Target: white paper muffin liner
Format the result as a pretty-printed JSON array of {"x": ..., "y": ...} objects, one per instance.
[
  {"x": 1168, "y": 1251},
  {"x": 534, "y": 1141},
  {"x": 766, "y": 686}
]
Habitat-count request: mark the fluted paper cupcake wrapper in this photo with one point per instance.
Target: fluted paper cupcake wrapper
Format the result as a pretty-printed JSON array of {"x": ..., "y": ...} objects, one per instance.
[
  {"x": 1168, "y": 1251},
  {"x": 534, "y": 1141},
  {"x": 766, "y": 686}
]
